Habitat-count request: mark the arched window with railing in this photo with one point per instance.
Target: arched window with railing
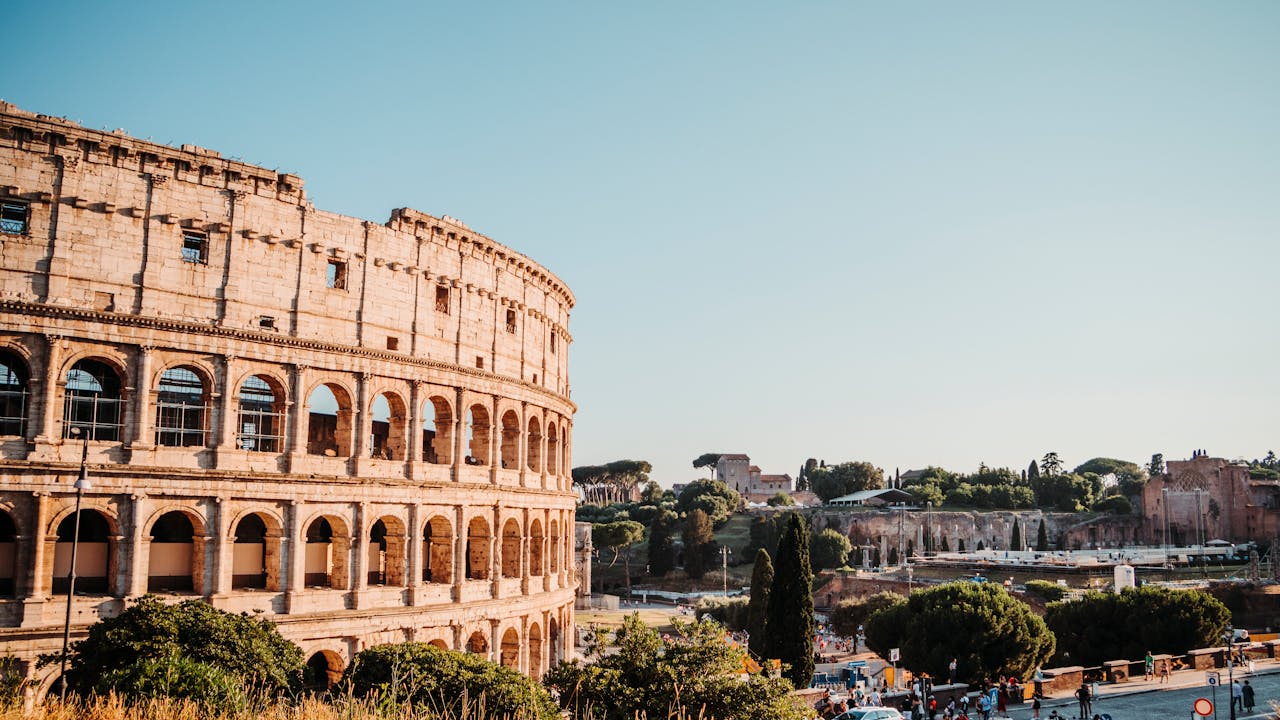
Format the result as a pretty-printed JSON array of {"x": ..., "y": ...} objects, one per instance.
[
  {"x": 181, "y": 409},
  {"x": 94, "y": 403},
  {"x": 262, "y": 416},
  {"x": 13, "y": 395}
]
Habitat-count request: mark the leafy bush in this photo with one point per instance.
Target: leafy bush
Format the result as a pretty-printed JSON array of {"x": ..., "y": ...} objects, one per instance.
[
  {"x": 847, "y": 615},
  {"x": 1110, "y": 626},
  {"x": 712, "y": 497},
  {"x": 1050, "y": 591},
  {"x": 450, "y": 682},
  {"x": 179, "y": 677},
  {"x": 1116, "y": 505},
  {"x": 829, "y": 549},
  {"x": 729, "y": 612},
  {"x": 780, "y": 499}
]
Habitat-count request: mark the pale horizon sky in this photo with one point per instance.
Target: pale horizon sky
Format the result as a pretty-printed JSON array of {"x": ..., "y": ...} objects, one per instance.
[{"x": 909, "y": 233}]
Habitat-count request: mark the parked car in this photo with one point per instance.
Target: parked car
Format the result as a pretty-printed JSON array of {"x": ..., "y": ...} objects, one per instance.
[{"x": 870, "y": 713}]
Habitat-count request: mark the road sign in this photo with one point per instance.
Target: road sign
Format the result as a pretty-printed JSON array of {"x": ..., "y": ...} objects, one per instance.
[
  {"x": 1202, "y": 707},
  {"x": 1213, "y": 678},
  {"x": 894, "y": 656}
]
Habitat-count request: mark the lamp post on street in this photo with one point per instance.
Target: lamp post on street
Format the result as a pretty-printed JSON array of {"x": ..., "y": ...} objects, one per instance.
[
  {"x": 725, "y": 552},
  {"x": 1231, "y": 680},
  {"x": 82, "y": 484}
]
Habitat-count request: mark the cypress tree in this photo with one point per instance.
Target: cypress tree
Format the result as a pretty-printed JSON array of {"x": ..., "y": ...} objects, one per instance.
[
  {"x": 893, "y": 556},
  {"x": 1015, "y": 536},
  {"x": 944, "y": 544},
  {"x": 961, "y": 547},
  {"x": 662, "y": 550},
  {"x": 697, "y": 539},
  {"x": 980, "y": 547},
  {"x": 789, "y": 626},
  {"x": 1042, "y": 538},
  {"x": 758, "y": 605}
]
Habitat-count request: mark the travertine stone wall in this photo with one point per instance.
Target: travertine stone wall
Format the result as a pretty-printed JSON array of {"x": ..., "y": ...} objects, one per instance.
[{"x": 449, "y": 519}]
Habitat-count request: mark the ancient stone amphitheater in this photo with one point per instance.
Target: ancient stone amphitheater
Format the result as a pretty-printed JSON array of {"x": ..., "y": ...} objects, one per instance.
[{"x": 360, "y": 430}]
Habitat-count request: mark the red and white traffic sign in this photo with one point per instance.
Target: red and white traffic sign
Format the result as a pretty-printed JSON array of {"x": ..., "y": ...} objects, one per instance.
[{"x": 1203, "y": 707}]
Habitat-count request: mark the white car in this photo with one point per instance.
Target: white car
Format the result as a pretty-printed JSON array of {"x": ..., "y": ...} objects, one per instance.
[{"x": 870, "y": 713}]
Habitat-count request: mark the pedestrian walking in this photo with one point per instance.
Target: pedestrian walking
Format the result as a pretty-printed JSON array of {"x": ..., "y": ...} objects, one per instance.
[
  {"x": 1237, "y": 696},
  {"x": 1086, "y": 710},
  {"x": 1149, "y": 667},
  {"x": 1164, "y": 670},
  {"x": 1035, "y": 707},
  {"x": 1247, "y": 692}
]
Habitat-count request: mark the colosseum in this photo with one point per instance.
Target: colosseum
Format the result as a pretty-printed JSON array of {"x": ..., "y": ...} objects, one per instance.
[{"x": 360, "y": 430}]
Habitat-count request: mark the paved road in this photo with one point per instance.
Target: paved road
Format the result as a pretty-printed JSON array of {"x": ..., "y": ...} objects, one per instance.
[{"x": 1173, "y": 703}]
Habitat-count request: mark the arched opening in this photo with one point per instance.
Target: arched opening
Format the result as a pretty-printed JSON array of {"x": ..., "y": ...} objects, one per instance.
[
  {"x": 511, "y": 549},
  {"x": 477, "y": 644},
  {"x": 510, "y": 440},
  {"x": 328, "y": 546},
  {"x": 387, "y": 438},
  {"x": 535, "y": 652},
  {"x": 14, "y": 379},
  {"x": 564, "y": 451},
  {"x": 554, "y": 550},
  {"x": 173, "y": 563},
  {"x": 437, "y": 551},
  {"x": 181, "y": 408},
  {"x": 535, "y": 548},
  {"x": 93, "y": 554},
  {"x": 94, "y": 403},
  {"x": 509, "y": 656},
  {"x": 437, "y": 431},
  {"x": 8, "y": 555},
  {"x": 478, "y": 436},
  {"x": 553, "y": 450},
  {"x": 324, "y": 670},
  {"x": 478, "y": 541},
  {"x": 439, "y": 643},
  {"x": 255, "y": 558},
  {"x": 386, "y": 552},
  {"x": 553, "y": 637},
  {"x": 262, "y": 415},
  {"x": 329, "y": 421},
  {"x": 534, "y": 441}
]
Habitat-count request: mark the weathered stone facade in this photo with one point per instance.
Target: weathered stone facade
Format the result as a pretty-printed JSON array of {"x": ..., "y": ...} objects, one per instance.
[
  {"x": 1207, "y": 498},
  {"x": 360, "y": 430}
]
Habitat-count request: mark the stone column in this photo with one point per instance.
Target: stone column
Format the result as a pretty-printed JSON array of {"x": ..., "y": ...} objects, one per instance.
[
  {"x": 413, "y": 556},
  {"x": 495, "y": 641},
  {"x": 525, "y": 544},
  {"x": 294, "y": 546},
  {"x": 223, "y": 547},
  {"x": 522, "y": 445},
  {"x": 298, "y": 419},
  {"x": 460, "y": 450},
  {"x": 139, "y": 545},
  {"x": 495, "y": 441},
  {"x": 143, "y": 435},
  {"x": 459, "y": 553},
  {"x": 522, "y": 654},
  {"x": 37, "y": 583},
  {"x": 546, "y": 555},
  {"x": 224, "y": 440},
  {"x": 362, "y": 422},
  {"x": 360, "y": 545},
  {"x": 413, "y": 433},
  {"x": 52, "y": 379},
  {"x": 495, "y": 552}
]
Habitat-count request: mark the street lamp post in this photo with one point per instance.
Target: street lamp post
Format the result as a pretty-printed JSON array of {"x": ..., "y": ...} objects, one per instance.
[
  {"x": 82, "y": 484},
  {"x": 1231, "y": 681},
  {"x": 724, "y": 567}
]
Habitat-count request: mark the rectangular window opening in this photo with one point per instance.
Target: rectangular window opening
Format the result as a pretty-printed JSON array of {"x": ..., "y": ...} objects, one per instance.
[
  {"x": 13, "y": 218},
  {"x": 336, "y": 275},
  {"x": 442, "y": 299},
  {"x": 266, "y": 321},
  {"x": 195, "y": 247},
  {"x": 393, "y": 343},
  {"x": 480, "y": 361},
  {"x": 553, "y": 342},
  {"x": 511, "y": 321}
]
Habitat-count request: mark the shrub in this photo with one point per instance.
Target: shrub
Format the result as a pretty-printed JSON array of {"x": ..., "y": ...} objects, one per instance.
[
  {"x": 1109, "y": 626},
  {"x": 729, "y": 612},
  {"x": 847, "y": 615},
  {"x": 1050, "y": 591}
]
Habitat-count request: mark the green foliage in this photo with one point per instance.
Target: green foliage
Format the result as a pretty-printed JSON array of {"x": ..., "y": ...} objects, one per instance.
[
  {"x": 780, "y": 499},
  {"x": 762, "y": 534},
  {"x": 188, "y": 634},
  {"x": 646, "y": 675},
  {"x": 1156, "y": 466},
  {"x": 926, "y": 493},
  {"x": 847, "y": 615},
  {"x": 1109, "y": 626},
  {"x": 706, "y": 460},
  {"x": 832, "y": 481},
  {"x": 1042, "y": 538},
  {"x": 1050, "y": 591},
  {"x": 617, "y": 535},
  {"x": 1033, "y": 472},
  {"x": 1015, "y": 535},
  {"x": 712, "y": 497},
  {"x": 662, "y": 549},
  {"x": 830, "y": 549},
  {"x": 1006, "y": 497},
  {"x": 730, "y": 612},
  {"x": 1050, "y": 464},
  {"x": 789, "y": 627},
  {"x": 1116, "y": 505},
  {"x": 1111, "y": 466},
  {"x": 697, "y": 543},
  {"x": 758, "y": 605},
  {"x": 1067, "y": 492},
  {"x": 180, "y": 676},
  {"x": 988, "y": 631},
  {"x": 445, "y": 681},
  {"x": 611, "y": 482}
]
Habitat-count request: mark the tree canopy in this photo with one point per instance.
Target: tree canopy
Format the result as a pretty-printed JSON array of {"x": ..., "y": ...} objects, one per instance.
[
  {"x": 789, "y": 625},
  {"x": 706, "y": 460},
  {"x": 758, "y": 604},
  {"x": 712, "y": 497},
  {"x": 829, "y": 549},
  {"x": 832, "y": 481},
  {"x": 611, "y": 482},
  {"x": 987, "y": 630},
  {"x": 848, "y": 614},
  {"x": 1110, "y": 626}
]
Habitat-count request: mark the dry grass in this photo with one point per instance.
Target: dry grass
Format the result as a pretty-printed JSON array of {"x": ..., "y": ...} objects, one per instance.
[{"x": 113, "y": 708}]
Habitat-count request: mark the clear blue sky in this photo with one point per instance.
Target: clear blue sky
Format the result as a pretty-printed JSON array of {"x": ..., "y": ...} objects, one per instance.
[{"x": 911, "y": 233}]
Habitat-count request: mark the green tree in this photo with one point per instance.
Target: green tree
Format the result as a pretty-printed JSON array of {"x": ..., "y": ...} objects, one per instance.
[
  {"x": 1015, "y": 536},
  {"x": 758, "y": 605},
  {"x": 830, "y": 549},
  {"x": 697, "y": 543},
  {"x": 1115, "y": 504},
  {"x": 1156, "y": 466},
  {"x": 1067, "y": 492},
  {"x": 197, "y": 641},
  {"x": 780, "y": 499},
  {"x": 1108, "y": 626},
  {"x": 944, "y": 544},
  {"x": 762, "y": 533},
  {"x": 612, "y": 482},
  {"x": 453, "y": 684},
  {"x": 1050, "y": 464},
  {"x": 706, "y": 460},
  {"x": 832, "y": 481},
  {"x": 1033, "y": 473},
  {"x": 712, "y": 497},
  {"x": 662, "y": 548},
  {"x": 695, "y": 673},
  {"x": 1042, "y": 538},
  {"x": 847, "y": 615},
  {"x": 987, "y": 630},
  {"x": 730, "y": 612},
  {"x": 618, "y": 537},
  {"x": 789, "y": 629}
]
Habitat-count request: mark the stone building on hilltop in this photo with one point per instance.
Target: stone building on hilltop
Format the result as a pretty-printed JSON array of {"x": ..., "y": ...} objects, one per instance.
[{"x": 361, "y": 430}]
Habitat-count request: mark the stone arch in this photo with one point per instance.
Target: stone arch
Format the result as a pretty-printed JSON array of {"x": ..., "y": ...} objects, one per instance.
[
  {"x": 94, "y": 400},
  {"x": 387, "y": 428},
  {"x": 439, "y": 643},
  {"x": 510, "y": 448},
  {"x": 182, "y": 406},
  {"x": 553, "y": 450},
  {"x": 386, "y": 551},
  {"x": 95, "y": 553},
  {"x": 511, "y": 549},
  {"x": 329, "y": 420},
  {"x": 536, "y": 564},
  {"x": 437, "y": 442},
  {"x": 437, "y": 550},
  {"x": 478, "y": 644},
  {"x": 323, "y": 671},
  {"x": 478, "y": 430},
  {"x": 533, "y": 443},
  {"x": 255, "y": 552},
  {"x": 8, "y": 554},
  {"x": 509, "y": 652},
  {"x": 478, "y": 548},
  {"x": 553, "y": 637},
  {"x": 563, "y": 470},
  {"x": 15, "y": 392},
  {"x": 328, "y": 548},
  {"x": 535, "y": 651},
  {"x": 554, "y": 550},
  {"x": 263, "y": 414},
  {"x": 175, "y": 551}
]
